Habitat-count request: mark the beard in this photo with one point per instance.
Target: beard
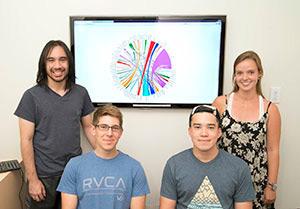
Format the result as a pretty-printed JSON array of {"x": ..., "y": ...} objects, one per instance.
[{"x": 58, "y": 75}]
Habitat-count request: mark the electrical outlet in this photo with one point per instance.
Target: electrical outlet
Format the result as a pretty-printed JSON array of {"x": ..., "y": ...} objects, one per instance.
[{"x": 275, "y": 94}]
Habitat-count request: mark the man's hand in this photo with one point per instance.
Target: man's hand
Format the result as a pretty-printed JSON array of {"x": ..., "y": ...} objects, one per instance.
[{"x": 37, "y": 190}]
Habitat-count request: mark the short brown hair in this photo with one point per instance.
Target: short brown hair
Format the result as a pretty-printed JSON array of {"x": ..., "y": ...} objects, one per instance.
[{"x": 110, "y": 110}]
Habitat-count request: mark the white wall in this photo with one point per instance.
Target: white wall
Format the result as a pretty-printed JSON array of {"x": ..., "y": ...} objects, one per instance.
[{"x": 270, "y": 27}]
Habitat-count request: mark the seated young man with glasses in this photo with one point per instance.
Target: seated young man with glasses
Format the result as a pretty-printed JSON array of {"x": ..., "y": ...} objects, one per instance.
[
  {"x": 204, "y": 176},
  {"x": 105, "y": 178}
]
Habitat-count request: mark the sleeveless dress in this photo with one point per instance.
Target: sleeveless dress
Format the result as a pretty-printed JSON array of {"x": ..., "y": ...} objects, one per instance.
[{"x": 247, "y": 140}]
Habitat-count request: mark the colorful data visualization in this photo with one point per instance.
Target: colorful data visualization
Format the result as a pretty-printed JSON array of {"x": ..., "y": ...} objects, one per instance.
[{"x": 142, "y": 68}]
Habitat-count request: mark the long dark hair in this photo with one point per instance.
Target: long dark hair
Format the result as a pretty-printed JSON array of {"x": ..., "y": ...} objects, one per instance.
[{"x": 41, "y": 78}]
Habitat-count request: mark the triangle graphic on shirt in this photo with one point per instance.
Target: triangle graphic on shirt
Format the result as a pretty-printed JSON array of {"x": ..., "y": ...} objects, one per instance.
[{"x": 205, "y": 198}]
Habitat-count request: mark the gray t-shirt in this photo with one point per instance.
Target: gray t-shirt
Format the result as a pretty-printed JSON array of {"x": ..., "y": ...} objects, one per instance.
[
  {"x": 216, "y": 184},
  {"x": 57, "y": 125}
]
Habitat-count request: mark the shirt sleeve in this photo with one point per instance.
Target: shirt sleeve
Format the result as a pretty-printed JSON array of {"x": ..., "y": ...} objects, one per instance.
[
  {"x": 140, "y": 184},
  {"x": 245, "y": 191},
  {"x": 88, "y": 106},
  {"x": 26, "y": 107},
  {"x": 168, "y": 183},
  {"x": 68, "y": 181}
]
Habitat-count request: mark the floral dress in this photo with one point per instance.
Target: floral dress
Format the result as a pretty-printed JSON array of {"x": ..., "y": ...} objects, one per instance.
[{"x": 247, "y": 140}]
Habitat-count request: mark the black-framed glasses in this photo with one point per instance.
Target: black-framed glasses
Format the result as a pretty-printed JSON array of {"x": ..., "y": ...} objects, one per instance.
[{"x": 105, "y": 127}]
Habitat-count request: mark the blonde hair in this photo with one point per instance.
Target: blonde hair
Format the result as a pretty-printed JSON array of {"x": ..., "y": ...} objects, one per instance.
[{"x": 253, "y": 56}]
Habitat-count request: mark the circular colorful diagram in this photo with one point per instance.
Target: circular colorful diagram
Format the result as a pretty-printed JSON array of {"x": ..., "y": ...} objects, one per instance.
[{"x": 143, "y": 67}]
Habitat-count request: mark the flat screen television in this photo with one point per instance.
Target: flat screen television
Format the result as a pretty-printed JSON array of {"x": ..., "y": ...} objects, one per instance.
[{"x": 161, "y": 61}]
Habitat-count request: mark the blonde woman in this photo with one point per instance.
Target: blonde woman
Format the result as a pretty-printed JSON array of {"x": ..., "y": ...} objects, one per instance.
[{"x": 251, "y": 127}]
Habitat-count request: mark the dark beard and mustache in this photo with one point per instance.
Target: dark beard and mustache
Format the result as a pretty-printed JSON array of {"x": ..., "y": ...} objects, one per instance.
[{"x": 52, "y": 72}]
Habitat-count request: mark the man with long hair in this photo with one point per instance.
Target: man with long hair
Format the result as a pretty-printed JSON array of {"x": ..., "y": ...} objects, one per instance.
[{"x": 50, "y": 114}]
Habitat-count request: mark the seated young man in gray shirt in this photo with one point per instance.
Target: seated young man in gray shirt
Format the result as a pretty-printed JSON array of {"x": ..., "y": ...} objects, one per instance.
[{"x": 204, "y": 176}]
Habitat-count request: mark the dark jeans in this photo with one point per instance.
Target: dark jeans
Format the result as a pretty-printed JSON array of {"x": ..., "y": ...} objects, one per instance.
[{"x": 53, "y": 198}]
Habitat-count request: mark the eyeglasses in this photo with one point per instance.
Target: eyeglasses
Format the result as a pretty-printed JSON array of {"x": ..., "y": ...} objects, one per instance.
[{"x": 105, "y": 127}]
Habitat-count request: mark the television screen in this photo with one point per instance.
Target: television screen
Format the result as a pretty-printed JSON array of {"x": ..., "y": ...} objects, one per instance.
[{"x": 149, "y": 61}]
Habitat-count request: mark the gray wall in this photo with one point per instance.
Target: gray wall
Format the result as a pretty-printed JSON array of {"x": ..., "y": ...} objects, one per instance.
[{"x": 270, "y": 27}]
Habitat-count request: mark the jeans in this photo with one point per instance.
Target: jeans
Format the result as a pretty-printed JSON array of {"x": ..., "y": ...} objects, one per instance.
[{"x": 52, "y": 199}]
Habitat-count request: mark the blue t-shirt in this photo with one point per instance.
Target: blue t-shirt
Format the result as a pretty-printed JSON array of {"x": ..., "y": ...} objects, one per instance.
[
  {"x": 217, "y": 184},
  {"x": 104, "y": 183}
]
